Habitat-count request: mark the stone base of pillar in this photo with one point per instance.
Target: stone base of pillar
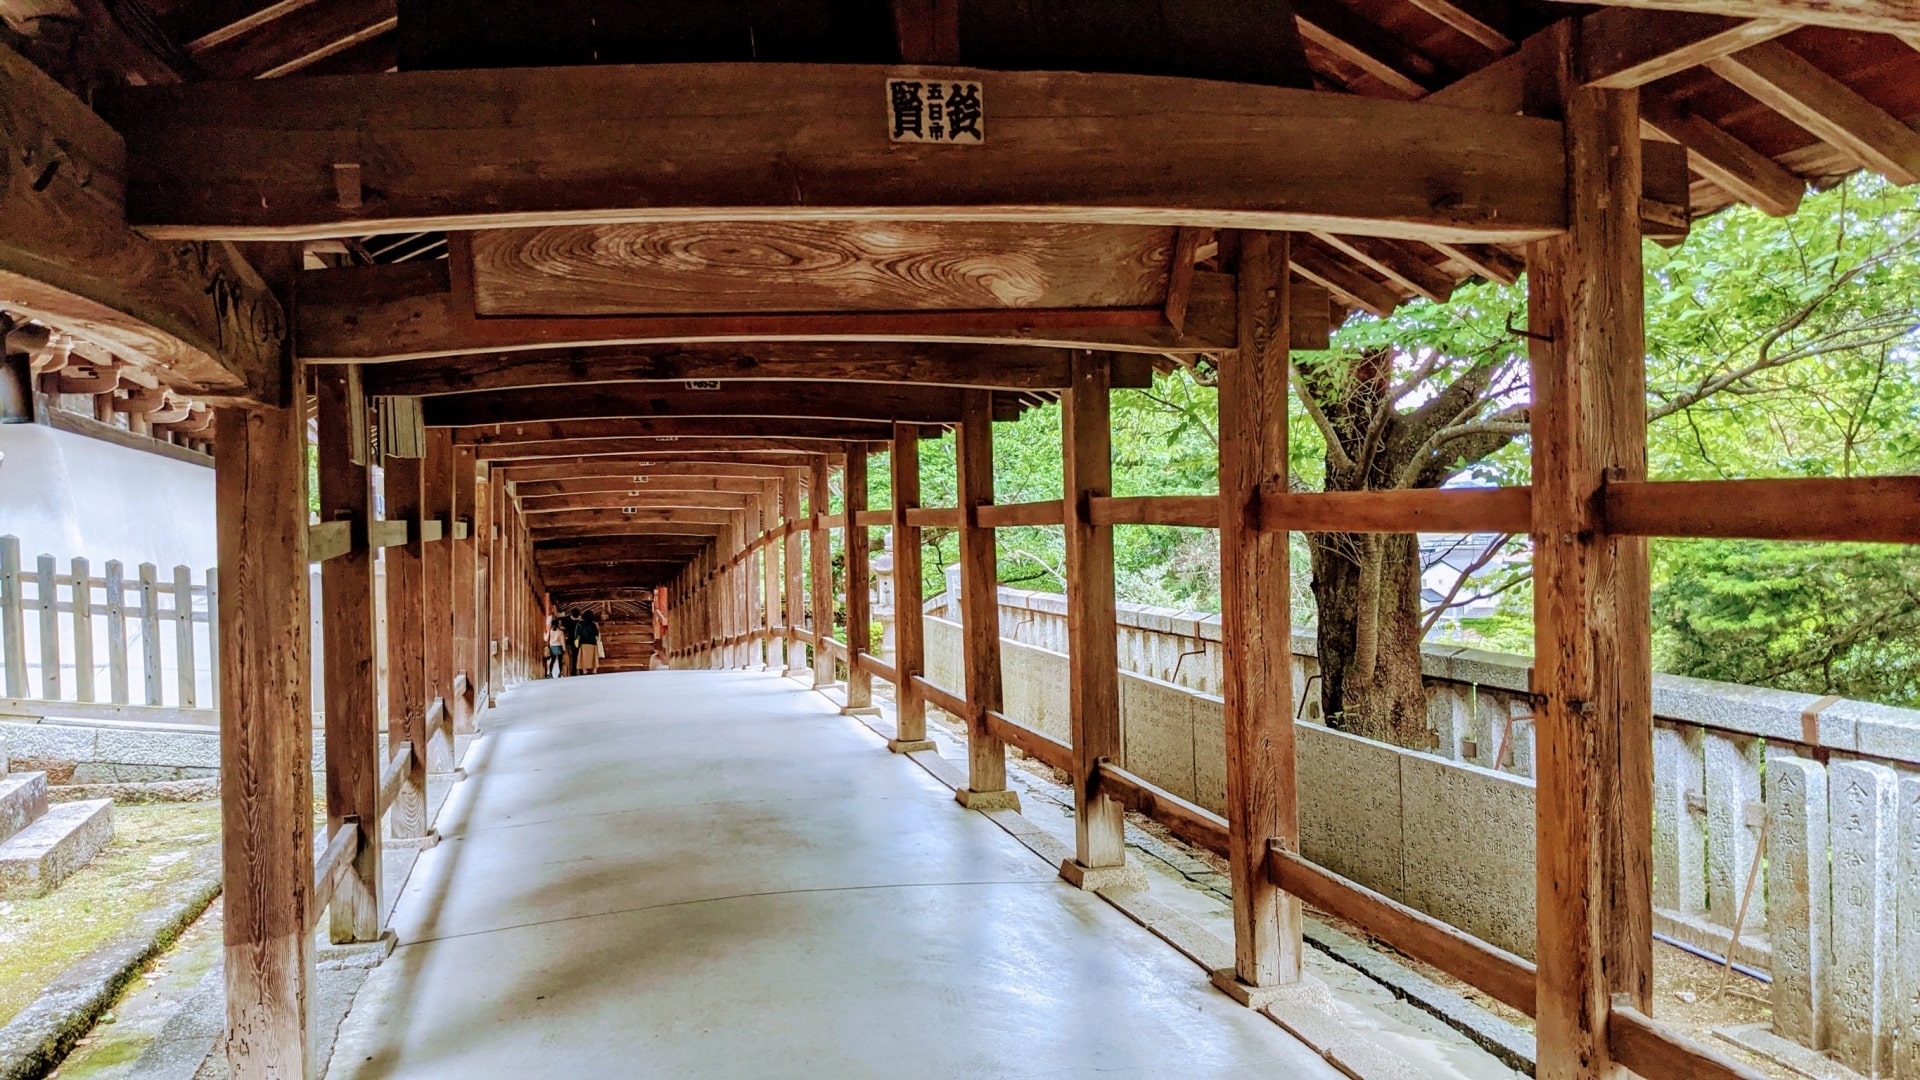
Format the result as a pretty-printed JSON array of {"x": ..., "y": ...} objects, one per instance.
[
  {"x": 422, "y": 843},
  {"x": 909, "y": 746},
  {"x": 1307, "y": 991},
  {"x": 337, "y": 955},
  {"x": 987, "y": 800},
  {"x": 860, "y": 710},
  {"x": 1095, "y": 878}
]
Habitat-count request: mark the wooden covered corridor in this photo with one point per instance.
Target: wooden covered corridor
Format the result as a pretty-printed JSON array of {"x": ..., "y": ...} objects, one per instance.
[{"x": 607, "y": 324}]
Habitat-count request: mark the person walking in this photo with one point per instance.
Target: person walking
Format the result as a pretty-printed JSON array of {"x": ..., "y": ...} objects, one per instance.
[
  {"x": 556, "y": 647},
  {"x": 587, "y": 633},
  {"x": 568, "y": 621}
]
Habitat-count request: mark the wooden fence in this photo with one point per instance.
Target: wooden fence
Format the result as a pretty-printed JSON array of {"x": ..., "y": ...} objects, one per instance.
[{"x": 83, "y": 640}]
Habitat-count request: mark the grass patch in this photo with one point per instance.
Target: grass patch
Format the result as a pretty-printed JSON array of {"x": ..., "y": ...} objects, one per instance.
[{"x": 149, "y": 856}]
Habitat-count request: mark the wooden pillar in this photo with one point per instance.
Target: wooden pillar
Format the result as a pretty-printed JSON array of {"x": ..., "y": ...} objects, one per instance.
[
  {"x": 437, "y": 594},
  {"x": 500, "y": 574},
  {"x": 1093, "y": 661},
  {"x": 770, "y": 583},
  {"x": 406, "y": 648},
  {"x": 820, "y": 551},
  {"x": 796, "y": 579},
  {"x": 1257, "y": 626},
  {"x": 461, "y": 523},
  {"x": 352, "y": 704},
  {"x": 909, "y": 631},
  {"x": 980, "y": 608},
  {"x": 483, "y": 589},
  {"x": 266, "y": 736},
  {"x": 859, "y": 581},
  {"x": 1592, "y": 681}
]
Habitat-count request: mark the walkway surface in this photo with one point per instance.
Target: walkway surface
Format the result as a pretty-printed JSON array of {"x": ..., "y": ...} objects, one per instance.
[{"x": 712, "y": 874}]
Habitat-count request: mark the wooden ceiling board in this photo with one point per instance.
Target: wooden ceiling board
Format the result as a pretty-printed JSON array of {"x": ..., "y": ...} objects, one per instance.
[{"x": 771, "y": 266}]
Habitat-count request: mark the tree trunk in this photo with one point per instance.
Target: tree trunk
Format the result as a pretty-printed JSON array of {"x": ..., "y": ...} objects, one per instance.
[{"x": 1367, "y": 589}]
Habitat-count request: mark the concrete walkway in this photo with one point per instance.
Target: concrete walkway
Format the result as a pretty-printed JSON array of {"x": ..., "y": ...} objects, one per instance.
[{"x": 710, "y": 874}]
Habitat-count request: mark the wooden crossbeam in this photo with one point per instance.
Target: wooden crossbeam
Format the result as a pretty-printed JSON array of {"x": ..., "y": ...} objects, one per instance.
[
  {"x": 285, "y": 38},
  {"x": 1621, "y": 48},
  {"x": 1789, "y": 84},
  {"x": 687, "y": 500},
  {"x": 668, "y": 445},
  {"x": 877, "y": 402},
  {"x": 196, "y": 313},
  {"x": 1738, "y": 169},
  {"x": 1009, "y": 366},
  {"x": 1873, "y": 16},
  {"x": 668, "y": 141},
  {"x": 654, "y": 464},
  {"x": 626, "y": 427},
  {"x": 539, "y": 531},
  {"x": 534, "y": 489}
]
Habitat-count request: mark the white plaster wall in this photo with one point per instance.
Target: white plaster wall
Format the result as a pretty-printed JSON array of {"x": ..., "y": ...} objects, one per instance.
[{"x": 68, "y": 495}]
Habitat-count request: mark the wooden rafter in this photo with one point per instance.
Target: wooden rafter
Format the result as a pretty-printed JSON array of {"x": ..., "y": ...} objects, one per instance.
[
  {"x": 1786, "y": 82},
  {"x": 628, "y": 427},
  {"x": 845, "y": 401},
  {"x": 1873, "y": 16},
  {"x": 660, "y": 445},
  {"x": 288, "y": 36},
  {"x": 657, "y": 464}
]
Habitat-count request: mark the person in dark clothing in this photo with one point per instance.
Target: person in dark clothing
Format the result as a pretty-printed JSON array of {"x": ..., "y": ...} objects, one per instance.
[
  {"x": 586, "y": 634},
  {"x": 566, "y": 621}
]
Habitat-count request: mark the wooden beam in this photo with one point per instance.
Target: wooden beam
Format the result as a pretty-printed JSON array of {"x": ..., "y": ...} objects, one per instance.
[
  {"x": 631, "y": 427},
  {"x": 568, "y": 468},
  {"x": 1399, "y": 266},
  {"x": 928, "y": 31},
  {"x": 266, "y": 738},
  {"x": 909, "y": 625},
  {"x": 1738, "y": 169},
  {"x": 1012, "y": 515},
  {"x": 407, "y": 687},
  {"x": 1642, "y": 1045},
  {"x": 795, "y": 598},
  {"x": 855, "y": 549},
  {"x": 1039, "y": 746},
  {"x": 1318, "y": 266},
  {"x": 1876, "y": 509},
  {"x": 1189, "y": 821},
  {"x": 1789, "y": 84},
  {"x": 1366, "y": 45},
  {"x": 1506, "y": 978},
  {"x": 641, "y": 496},
  {"x": 1872, "y": 16},
  {"x": 285, "y": 38},
  {"x": 541, "y": 532},
  {"x": 351, "y": 703},
  {"x": 1193, "y": 511},
  {"x": 403, "y": 310},
  {"x": 771, "y": 451},
  {"x": 1093, "y": 665},
  {"x": 1621, "y": 48},
  {"x": 196, "y": 314},
  {"x": 1593, "y": 673},
  {"x": 1007, "y": 366},
  {"x": 530, "y": 490},
  {"x": 1257, "y": 625},
  {"x": 666, "y": 142},
  {"x": 329, "y": 540},
  {"x": 935, "y": 517},
  {"x": 877, "y": 402},
  {"x": 466, "y": 569},
  {"x": 980, "y": 607},
  {"x": 1443, "y": 510}
]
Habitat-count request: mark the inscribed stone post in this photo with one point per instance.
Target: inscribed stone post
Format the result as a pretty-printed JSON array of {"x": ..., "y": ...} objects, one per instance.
[
  {"x": 1861, "y": 1002},
  {"x": 1799, "y": 915}
]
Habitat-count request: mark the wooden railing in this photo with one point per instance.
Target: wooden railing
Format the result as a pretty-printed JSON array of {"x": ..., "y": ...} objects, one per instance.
[
  {"x": 331, "y": 868},
  {"x": 92, "y": 629}
]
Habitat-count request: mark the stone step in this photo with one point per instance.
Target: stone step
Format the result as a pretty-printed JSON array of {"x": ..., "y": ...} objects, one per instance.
[
  {"x": 23, "y": 798},
  {"x": 39, "y": 857}
]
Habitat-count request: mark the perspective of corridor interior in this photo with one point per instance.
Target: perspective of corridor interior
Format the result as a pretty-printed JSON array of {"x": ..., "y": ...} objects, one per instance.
[{"x": 1361, "y": 539}]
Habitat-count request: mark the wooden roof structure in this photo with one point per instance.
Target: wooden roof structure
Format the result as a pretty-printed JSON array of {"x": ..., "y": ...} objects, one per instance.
[{"x": 609, "y": 290}]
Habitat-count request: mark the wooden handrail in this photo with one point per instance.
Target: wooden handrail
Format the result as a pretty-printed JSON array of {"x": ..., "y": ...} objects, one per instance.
[
  {"x": 331, "y": 867},
  {"x": 1039, "y": 746},
  {"x": 1637, "y": 1041},
  {"x": 876, "y": 667},
  {"x": 941, "y": 697},
  {"x": 386, "y": 533},
  {"x": 924, "y": 517},
  {"x": 1193, "y": 511},
  {"x": 461, "y": 684},
  {"x": 1414, "y": 510},
  {"x": 395, "y": 774},
  {"x": 438, "y": 716},
  {"x": 1883, "y": 509},
  {"x": 1506, "y": 977},
  {"x": 834, "y": 646},
  {"x": 1190, "y": 822},
  {"x": 873, "y": 518},
  {"x": 1007, "y": 515}
]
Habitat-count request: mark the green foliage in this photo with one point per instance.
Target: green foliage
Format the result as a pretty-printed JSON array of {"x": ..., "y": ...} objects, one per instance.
[{"x": 1822, "y": 618}]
